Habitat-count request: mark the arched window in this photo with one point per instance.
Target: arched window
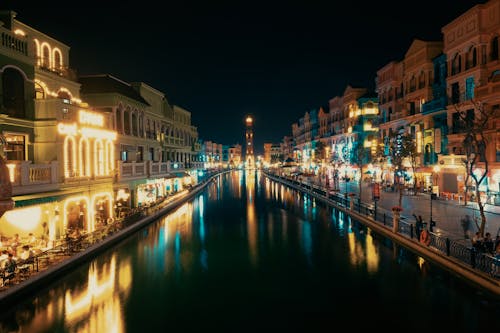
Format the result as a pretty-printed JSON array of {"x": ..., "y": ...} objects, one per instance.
[
  {"x": 45, "y": 56},
  {"x": 134, "y": 124},
  {"x": 57, "y": 58},
  {"x": 13, "y": 93},
  {"x": 119, "y": 121},
  {"x": 413, "y": 84},
  {"x": 126, "y": 121},
  {"x": 39, "y": 92},
  {"x": 421, "y": 80},
  {"x": 110, "y": 157},
  {"x": 70, "y": 157},
  {"x": 141, "y": 125},
  {"x": 148, "y": 129},
  {"x": 456, "y": 64},
  {"x": 84, "y": 157}
]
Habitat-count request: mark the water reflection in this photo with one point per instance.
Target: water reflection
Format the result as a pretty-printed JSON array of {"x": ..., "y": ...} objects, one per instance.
[
  {"x": 160, "y": 277},
  {"x": 252, "y": 232},
  {"x": 95, "y": 306}
]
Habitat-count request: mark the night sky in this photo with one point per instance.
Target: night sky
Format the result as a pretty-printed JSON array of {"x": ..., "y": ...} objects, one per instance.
[{"x": 222, "y": 60}]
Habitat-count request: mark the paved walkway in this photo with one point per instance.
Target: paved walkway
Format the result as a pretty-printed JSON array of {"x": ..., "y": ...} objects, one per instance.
[{"x": 446, "y": 213}]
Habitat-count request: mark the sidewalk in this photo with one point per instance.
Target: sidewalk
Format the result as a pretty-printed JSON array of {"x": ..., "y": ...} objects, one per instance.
[{"x": 446, "y": 213}]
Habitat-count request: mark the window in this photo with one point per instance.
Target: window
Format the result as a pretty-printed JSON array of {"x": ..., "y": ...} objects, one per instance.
[
  {"x": 126, "y": 122},
  {"x": 455, "y": 93},
  {"x": 494, "y": 48},
  {"x": 140, "y": 154},
  {"x": 39, "y": 92},
  {"x": 13, "y": 93},
  {"x": 15, "y": 147},
  {"x": 151, "y": 154},
  {"x": 469, "y": 88}
]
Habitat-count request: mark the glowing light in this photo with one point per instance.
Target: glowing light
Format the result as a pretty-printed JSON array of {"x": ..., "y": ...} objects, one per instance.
[
  {"x": 90, "y": 118},
  {"x": 26, "y": 219},
  {"x": 249, "y": 120},
  {"x": 98, "y": 133},
  {"x": 12, "y": 172},
  {"x": 97, "y": 290},
  {"x": 69, "y": 156},
  {"x": 75, "y": 200},
  {"x": 19, "y": 32},
  {"x": 67, "y": 129},
  {"x": 122, "y": 195},
  {"x": 56, "y": 51}
]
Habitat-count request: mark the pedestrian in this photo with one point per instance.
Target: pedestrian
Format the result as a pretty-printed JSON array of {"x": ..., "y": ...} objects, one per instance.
[
  {"x": 418, "y": 224},
  {"x": 465, "y": 222}
]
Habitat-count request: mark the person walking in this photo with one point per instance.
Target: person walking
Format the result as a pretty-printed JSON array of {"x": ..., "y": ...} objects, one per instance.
[
  {"x": 419, "y": 223},
  {"x": 465, "y": 222}
]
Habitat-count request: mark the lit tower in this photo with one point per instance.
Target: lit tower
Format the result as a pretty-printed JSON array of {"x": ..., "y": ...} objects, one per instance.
[{"x": 249, "y": 157}]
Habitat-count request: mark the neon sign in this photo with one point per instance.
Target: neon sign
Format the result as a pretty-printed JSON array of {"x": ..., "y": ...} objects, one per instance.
[{"x": 90, "y": 118}]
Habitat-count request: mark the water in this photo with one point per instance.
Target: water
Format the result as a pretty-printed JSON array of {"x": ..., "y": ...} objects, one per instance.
[{"x": 248, "y": 254}]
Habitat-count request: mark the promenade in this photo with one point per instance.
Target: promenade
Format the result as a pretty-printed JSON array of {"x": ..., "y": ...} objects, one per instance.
[{"x": 446, "y": 213}]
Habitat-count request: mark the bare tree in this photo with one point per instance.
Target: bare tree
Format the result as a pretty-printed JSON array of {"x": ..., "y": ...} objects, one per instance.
[
  {"x": 360, "y": 155},
  {"x": 401, "y": 146},
  {"x": 409, "y": 150},
  {"x": 475, "y": 127}
]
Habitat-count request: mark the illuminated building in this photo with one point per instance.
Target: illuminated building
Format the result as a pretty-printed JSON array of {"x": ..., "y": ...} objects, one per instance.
[
  {"x": 75, "y": 166},
  {"x": 249, "y": 151}
]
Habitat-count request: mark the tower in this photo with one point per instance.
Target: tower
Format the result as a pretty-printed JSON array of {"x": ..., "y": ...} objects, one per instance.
[{"x": 249, "y": 156}]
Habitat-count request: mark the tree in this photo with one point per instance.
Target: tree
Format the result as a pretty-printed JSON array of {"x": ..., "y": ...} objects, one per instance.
[
  {"x": 319, "y": 151},
  {"x": 360, "y": 155},
  {"x": 475, "y": 127},
  {"x": 409, "y": 150},
  {"x": 400, "y": 146}
]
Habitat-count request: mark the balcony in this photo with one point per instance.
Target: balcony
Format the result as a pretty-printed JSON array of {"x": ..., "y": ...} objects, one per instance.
[
  {"x": 33, "y": 178},
  {"x": 437, "y": 104},
  {"x": 14, "y": 44},
  {"x": 488, "y": 90}
]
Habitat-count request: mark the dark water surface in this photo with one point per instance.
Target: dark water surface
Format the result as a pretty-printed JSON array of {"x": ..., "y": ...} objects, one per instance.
[{"x": 251, "y": 255}]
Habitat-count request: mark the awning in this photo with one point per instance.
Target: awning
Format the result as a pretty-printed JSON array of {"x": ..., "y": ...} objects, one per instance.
[
  {"x": 40, "y": 198},
  {"x": 182, "y": 174}
]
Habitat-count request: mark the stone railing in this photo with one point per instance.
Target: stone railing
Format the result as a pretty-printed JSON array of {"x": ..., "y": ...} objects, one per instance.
[
  {"x": 14, "y": 42},
  {"x": 32, "y": 178}
]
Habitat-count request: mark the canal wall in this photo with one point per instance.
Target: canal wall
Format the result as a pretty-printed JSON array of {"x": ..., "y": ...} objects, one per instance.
[{"x": 476, "y": 278}]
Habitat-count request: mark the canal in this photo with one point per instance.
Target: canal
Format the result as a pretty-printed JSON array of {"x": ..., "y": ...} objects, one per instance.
[{"x": 249, "y": 254}]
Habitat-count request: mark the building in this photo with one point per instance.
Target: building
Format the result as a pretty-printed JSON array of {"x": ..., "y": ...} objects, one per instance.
[{"x": 249, "y": 150}]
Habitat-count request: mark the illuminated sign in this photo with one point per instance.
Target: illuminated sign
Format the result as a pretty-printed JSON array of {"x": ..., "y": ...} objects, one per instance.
[
  {"x": 90, "y": 118},
  {"x": 68, "y": 129}
]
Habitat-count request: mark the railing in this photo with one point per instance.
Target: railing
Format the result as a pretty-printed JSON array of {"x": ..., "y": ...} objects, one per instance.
[
  {"x": 488, "y": 89},
  {"x": 442, "y": 242},
  {"x": 13, "y": 42},
  {"x": 23, "y": 173}
]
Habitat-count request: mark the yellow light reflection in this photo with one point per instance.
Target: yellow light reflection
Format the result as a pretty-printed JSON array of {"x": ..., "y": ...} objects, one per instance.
[
  {"x": 97, "y": 307},
  {"x": 251, "y": 219},
  {"x": 372, "y": 255}
]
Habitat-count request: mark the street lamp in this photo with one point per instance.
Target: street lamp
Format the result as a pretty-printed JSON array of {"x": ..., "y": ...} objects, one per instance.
[{"x": 435, "y": 170}]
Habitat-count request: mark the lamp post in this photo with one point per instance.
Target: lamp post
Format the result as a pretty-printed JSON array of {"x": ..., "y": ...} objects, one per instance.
[{"x": 435, "y": 170}]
